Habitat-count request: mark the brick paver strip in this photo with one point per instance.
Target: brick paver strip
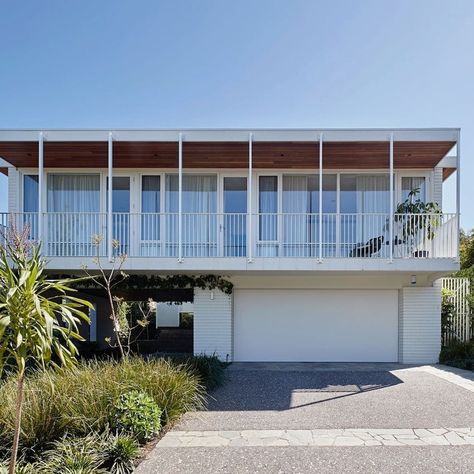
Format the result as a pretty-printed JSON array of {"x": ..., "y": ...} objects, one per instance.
[{"x": 341, "y": 437}]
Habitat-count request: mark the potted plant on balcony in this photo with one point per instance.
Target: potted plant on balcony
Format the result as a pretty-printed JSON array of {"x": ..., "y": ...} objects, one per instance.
[{"x": 416, "y": 218}]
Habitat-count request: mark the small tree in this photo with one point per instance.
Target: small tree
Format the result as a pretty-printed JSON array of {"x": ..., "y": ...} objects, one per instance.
[
  {"x": 38, "y": 318},
  {"x": 108, "y": 280}
]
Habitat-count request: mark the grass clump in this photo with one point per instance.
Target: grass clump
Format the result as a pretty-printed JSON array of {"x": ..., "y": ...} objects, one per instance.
[{"x": 209, "y": 369}]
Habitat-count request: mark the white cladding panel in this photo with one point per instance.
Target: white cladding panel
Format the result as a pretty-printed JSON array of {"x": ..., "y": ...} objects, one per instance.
[{"x": 316, "y": 325}]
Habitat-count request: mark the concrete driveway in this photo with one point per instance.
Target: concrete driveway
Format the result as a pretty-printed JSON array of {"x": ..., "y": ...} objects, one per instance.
[{"x": 330, "y": 417}]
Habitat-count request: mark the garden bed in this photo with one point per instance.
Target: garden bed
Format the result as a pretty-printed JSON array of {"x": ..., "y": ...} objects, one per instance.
[{"x": 98, "y": 417}]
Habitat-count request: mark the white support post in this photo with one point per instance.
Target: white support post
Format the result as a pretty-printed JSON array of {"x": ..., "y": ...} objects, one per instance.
[
  {"x": 110, "y": 185},
  {"x": 390, "y": 224},
  {"x": 458, "y": 192},
  {"x": 180, "y": 198},
  {"x": 249, "y": 199},
  {"x": 320, "y": 198},
  {"x": 40, "y": 185}
]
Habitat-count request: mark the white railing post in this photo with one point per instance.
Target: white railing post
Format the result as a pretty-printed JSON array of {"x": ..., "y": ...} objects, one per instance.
[
  {"x": 40, "y": 187},
  {"x": 249, "y": 200},
  {"x": 458, "y": 192},
  {"x": 391, "y": 217},
  {"x": 180, "y": 198},
  {"x": 320, "y": 198},
  {"x": 109, "y": 196}
]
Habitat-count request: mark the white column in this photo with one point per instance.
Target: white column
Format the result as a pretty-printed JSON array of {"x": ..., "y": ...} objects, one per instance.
[
  {"x": 249, "y": 201},
  {"x": 320, "y": 197},
  {"x": 180, "y": 198},
  {"x": 390, "y": 225},
  {"x": 40, "y": 186},
  {"x": 458, "y": 191},
  {"x": 109, "y": 196}
]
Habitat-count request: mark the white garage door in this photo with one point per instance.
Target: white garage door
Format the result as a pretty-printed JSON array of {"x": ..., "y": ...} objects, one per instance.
[{"x": 316, "y": 325}]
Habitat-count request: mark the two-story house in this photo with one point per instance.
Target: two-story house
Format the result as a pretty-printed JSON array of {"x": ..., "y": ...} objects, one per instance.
[{"x": 303, "y": 222}]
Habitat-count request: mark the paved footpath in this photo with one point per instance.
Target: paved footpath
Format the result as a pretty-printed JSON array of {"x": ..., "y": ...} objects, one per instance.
[{"x": 307, "y": 418}]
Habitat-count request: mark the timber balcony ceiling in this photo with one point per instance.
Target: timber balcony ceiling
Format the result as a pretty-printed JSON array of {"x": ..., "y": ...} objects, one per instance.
[{"x": 266, "y": 155}]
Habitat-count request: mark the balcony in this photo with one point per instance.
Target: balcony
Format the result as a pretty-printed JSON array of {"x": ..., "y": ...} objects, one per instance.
[{"x": 288, "y": 236}]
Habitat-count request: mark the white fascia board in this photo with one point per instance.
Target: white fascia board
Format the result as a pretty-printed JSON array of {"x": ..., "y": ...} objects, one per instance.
[
  {"x": 448, "y": 162},
  {"x": 5, "y": 163},
  {"x": 233, "y": 135}
]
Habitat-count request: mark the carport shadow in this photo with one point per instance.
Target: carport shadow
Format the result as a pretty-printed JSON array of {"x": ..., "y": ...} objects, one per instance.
[{"x": 280, "y": 390}]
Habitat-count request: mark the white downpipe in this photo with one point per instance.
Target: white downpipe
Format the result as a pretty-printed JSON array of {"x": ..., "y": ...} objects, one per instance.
[
  {"x": 180, "y": 198},
  {"x": 320, "y": 198},
  {"x": 109, "y": 196},
  {"x": 458, "y": 192},
  {"x": 249, "y": 207},
  {"x": 40, "y": 185},
  {"x": 390, "y": 224}
]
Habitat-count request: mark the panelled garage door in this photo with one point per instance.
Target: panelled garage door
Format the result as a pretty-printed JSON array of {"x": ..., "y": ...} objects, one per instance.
[{"x": 316, "y": 325}]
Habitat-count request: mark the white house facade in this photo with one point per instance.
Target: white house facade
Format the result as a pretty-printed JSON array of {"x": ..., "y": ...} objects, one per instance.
[{"x": 305, "y": 224}]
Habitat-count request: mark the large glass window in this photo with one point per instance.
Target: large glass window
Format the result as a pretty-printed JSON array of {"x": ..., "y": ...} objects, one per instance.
[
  {"x": 199, "y": 207},
  {"x": 365, "y": 204},
  {"x": 73, "y": 203}
]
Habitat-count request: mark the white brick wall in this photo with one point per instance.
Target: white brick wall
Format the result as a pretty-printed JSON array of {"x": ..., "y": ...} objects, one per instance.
[
  {"x": 13, "y": 190},
  {"x": 420, "y": 325},
  {"x": 213, "y": 323}
]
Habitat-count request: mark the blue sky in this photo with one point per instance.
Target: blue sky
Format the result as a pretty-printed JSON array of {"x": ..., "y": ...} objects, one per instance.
[{"x": 221, "y": 63}]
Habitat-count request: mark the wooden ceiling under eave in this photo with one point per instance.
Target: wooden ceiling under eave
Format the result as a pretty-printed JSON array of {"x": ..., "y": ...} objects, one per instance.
[{"x": 227, "y": 155}]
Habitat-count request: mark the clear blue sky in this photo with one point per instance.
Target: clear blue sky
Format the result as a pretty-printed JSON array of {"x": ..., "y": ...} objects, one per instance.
[{"x": 223, "y": 63}]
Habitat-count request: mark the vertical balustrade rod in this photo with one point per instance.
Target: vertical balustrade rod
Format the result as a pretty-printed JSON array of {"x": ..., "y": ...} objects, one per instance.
[
  {"x": 320, "y": 198},
  {"x": 109, "y": 197},
  {"x": 390, "y": 224},
  {"x": 458, "y": 192},
  {"x": 180, "y": 198},
  {"x": 40, "y": 188},
  {"x": 249, "y": 208}
]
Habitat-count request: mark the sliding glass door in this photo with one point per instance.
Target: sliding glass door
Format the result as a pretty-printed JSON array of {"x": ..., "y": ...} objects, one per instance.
[
  {"x": 301, "y": 220},
  {"x": 365, "y": 207},
  {"x": 235, "y": 216},
  {"x": 199, "y": 215},
  {"x": 121, "y": 213}
]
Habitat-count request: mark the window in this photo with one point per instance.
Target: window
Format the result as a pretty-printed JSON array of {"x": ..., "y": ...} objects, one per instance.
[
  {"x": 151, "y": 207},
  {"x": 30, "y": 193},
  {"x": 268, "y": 207},
  {"x": 30, "y": 204},
  {"x": 413, "y": 184},
  {"x": 73, "y": 203},
  {"x": 73, "y": 193}
]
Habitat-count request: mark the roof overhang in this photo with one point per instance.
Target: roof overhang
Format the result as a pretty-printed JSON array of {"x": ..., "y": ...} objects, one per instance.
[{"x": 228, "y": 148}]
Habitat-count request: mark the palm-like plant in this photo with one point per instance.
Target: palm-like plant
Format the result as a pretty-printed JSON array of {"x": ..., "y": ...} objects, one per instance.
[{"x": 38, "y": 318}]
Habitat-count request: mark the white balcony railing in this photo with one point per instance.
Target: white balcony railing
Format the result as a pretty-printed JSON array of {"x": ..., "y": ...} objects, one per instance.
[{"x": 290, "y": 235}]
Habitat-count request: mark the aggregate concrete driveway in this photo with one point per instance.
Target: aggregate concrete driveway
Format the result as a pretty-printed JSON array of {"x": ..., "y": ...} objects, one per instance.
[{"x": 313, "y": 398}]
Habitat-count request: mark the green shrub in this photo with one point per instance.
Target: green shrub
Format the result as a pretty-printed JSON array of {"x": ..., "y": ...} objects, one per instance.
[
  {"x": 209, "y": 369},
  {"x": 458, "y": 354},
  {"x": 137, "y": 413}
]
